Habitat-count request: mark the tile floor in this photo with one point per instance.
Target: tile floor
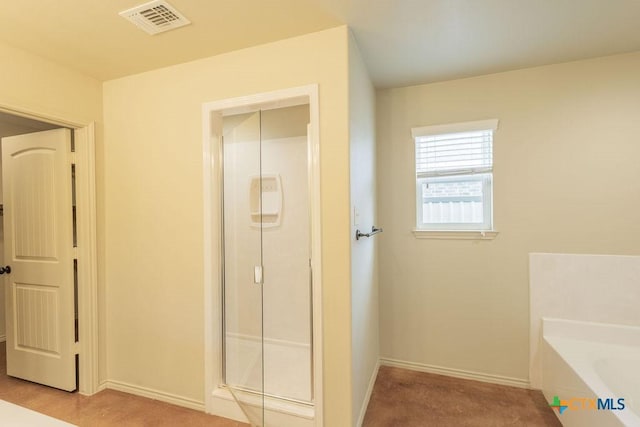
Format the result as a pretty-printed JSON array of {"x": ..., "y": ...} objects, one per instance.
[{"x": 104, "y": 409}]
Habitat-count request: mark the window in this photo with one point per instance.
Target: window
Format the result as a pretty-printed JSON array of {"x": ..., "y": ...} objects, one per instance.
[{"x": 454, "y": 174}]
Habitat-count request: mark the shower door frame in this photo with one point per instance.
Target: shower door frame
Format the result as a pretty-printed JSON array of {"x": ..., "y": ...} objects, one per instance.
[{"x": 218, "y": 399}]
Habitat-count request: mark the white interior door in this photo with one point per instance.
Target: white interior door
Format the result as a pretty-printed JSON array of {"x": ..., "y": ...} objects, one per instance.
[{"x": 38, "y": 239}]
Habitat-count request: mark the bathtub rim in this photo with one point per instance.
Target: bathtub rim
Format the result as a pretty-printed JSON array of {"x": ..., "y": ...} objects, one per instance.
[{"x": 558, "y": 333}]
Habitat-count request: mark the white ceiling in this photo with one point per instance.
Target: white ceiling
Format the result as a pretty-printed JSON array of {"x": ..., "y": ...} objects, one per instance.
[
  {"x": 403, "y": 41},
  {"x": 416, "y": 41}
]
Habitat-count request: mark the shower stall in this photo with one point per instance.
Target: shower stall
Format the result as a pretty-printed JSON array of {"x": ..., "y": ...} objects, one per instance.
[{"x": 265, "y": 365}]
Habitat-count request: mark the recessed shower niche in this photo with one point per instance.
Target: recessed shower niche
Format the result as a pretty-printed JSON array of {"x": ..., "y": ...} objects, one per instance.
[
  {"x": 265, "y": 200},
  {"x": 266, "y": 362}
]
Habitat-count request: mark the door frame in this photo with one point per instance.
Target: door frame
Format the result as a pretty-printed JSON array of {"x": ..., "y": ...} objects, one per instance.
[
  {"x": 84, "y": 159},
  {"x": 212, "y": 113}
]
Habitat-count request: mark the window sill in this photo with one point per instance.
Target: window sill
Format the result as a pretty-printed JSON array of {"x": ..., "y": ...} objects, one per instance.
[{"x": 455, "y": 235}]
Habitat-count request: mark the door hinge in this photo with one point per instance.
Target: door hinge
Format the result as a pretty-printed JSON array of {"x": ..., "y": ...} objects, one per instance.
[
  {"x": 72, "y": 157},
  {"x": 76, "y": 347}
]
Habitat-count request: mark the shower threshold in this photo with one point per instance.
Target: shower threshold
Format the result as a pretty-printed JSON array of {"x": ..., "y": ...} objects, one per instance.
[{"x": 278, "y": 411}]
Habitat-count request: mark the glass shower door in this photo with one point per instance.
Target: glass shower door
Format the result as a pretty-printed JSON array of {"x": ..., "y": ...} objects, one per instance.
[
  {"x": 286, "y": 244},
  {"x": 267, "y": 335},
  {"x": 243, "y": 368}
]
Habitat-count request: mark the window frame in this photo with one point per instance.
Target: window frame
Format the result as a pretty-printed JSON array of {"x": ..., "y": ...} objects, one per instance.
[{"x": 484, "y": 230}]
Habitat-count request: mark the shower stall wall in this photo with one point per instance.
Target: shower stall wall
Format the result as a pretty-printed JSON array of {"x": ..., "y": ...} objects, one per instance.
[{"x": 266, "y": 281}]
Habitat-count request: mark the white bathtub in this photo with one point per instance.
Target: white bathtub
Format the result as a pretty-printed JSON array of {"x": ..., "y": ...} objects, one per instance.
[{"x": 582, "y": 361}]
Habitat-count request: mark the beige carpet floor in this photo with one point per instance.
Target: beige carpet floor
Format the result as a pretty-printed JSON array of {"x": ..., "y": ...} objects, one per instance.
[{"x": 403, "y": 398}]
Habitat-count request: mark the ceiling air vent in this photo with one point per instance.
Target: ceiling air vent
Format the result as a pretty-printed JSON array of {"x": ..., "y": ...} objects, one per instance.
[{"x": 155, "y": 17}]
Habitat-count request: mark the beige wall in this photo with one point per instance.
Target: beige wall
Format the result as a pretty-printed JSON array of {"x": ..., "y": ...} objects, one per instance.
[
  {"x": 33, "y": 85},
  {"x": 364, "y": 272},
  {"x": 566, "y": 179},
  {"x": 154, "y": 210}
]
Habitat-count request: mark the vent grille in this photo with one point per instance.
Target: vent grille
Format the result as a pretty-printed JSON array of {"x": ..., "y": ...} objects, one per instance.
[{"x": 155, "y": 17}]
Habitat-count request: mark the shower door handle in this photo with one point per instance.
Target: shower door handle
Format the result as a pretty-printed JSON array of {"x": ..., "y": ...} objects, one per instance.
[{"x": 257, "y": 275}]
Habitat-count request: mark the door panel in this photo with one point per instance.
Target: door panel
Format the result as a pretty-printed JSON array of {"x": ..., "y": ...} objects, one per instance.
[
  {"x": 286, "y": 257},
  {"x": 242, "y": 276},
  {"x": 38, "y": 242}
]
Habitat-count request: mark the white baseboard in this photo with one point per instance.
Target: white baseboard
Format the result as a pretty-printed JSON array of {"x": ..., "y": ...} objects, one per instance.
[
  {"x": 457, "y": 373},
  {"x": 155, "y": 394},
  {"x": 367, "y": 397}
]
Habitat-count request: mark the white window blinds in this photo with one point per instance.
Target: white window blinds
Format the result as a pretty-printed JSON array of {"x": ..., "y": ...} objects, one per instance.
[{"x": 447, "y": 150}]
